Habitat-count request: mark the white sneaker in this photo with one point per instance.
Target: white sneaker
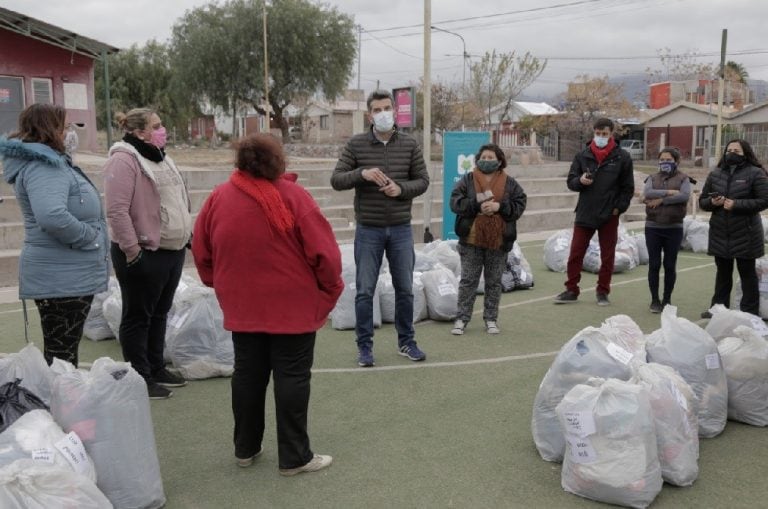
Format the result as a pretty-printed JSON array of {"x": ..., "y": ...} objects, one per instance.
[
  {"x": 318, "y": 462},
  {"x": 458, "y": 327},
  {"x": 492, "y": 328}
]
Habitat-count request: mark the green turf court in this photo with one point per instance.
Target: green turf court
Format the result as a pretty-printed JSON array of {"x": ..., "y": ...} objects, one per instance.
[{"x": 453, "y": 431}]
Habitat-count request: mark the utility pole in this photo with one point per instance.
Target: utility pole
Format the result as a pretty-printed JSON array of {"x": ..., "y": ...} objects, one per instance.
[
  {"x": 427, "y": 140},
  {"x": 720, "y": 90},
  {"x": 107, "y": 99},
  {"x": 463, "y": 70},
  {"x": 266, "y": 70}
]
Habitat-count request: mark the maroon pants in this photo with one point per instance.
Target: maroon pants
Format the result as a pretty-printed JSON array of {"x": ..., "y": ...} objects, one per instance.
[{"x": 607, "y": 235}]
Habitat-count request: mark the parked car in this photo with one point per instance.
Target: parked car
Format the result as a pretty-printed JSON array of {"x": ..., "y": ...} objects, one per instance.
[
  {"x": 634, "y": 147},
  {"x": 294, "y": 132}
]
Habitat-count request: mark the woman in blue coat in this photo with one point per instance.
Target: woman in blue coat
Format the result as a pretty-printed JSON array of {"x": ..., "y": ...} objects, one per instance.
[{"x": 64, "y": 261}]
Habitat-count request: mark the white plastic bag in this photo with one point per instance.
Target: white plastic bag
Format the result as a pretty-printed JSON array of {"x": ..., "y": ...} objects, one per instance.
[
  {"x": 761, "y": 267},
  {"x": 745, "y": 359},
  {"x": 29, "y": 484},
  {"x": 724, "y": 322},
  {"x": 674, "y": 412},
  {"x": 517, "y": 274},
  {"x": 96, "y": 327},
  {"x": 556, "y": 250},
  {"x": 689, "y": 349},
  {"x": 387, "y": 298},
  {"x": 195, "y": 342},
  {"x": 108, "y": 408},
  {"x": 695, "y": 235},
  {"x": 442, "y": 290},
  {"x": 642, "y": 248},
  {"x": 29, "y": 365},
  {"x": 36, "y": 436},
  {"x": 611, "y": 451},
  {"x": 592, "y": 352}
]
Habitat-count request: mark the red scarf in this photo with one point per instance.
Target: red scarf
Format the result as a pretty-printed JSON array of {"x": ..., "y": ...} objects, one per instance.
[
  {"x": 602, "y": 153},
  {"x": 267, "y": 196}
]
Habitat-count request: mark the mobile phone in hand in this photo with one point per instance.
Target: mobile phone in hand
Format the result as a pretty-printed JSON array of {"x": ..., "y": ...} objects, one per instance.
[{"x": 714, "y": 195}]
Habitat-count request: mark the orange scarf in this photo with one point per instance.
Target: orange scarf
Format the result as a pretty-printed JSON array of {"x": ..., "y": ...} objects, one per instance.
[
  {"x": 489, "y": 230},
  {"x": 267, "y": 196}
]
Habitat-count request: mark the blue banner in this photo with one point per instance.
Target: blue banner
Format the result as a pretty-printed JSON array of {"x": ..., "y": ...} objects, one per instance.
[{"x": 459, "y": 149}]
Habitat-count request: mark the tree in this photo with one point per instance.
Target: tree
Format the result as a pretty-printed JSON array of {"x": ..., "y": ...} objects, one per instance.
[
  {"x": 736, "y": 72},
  {"x": 141, "y": 76},
  {"x": 446, "y": 106},
  {"x": 497, "y": 79},
  {"x": 679, "y": 67},
  {"x": 218, "y": 49},
  {"x": 589, "y": 98}
]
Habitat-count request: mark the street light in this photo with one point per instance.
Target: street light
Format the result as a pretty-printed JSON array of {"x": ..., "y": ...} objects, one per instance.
[{"x": 463, "y": 69}]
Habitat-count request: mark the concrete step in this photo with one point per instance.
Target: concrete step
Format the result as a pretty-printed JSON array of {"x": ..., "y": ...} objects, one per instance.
[
  {"x": 551, "y": 201},
  {"x": 546, "y": 185}
]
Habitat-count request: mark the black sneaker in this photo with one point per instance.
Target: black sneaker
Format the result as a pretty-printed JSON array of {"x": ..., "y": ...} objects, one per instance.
[
  {"x": 665, "y": 303},
  {"x": 602, "y": 299},
  {"x": 706, "y": 314},
  {"x": 168, "y": 379},
  {"x": 656, "y": 306},
  {"x": 157, "y": 391},
  {"x": 567, "y": 297}
]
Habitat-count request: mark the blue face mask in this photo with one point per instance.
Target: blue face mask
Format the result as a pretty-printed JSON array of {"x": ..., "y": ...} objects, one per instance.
[
  {"x": 667, "y": 166},
  {"x": 601, "y": 141},
  {"x": 488, "y": 165}
]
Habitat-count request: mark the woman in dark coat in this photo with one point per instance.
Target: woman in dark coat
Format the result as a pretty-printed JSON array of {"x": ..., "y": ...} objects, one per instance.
[{"x": 735, "y": 193}]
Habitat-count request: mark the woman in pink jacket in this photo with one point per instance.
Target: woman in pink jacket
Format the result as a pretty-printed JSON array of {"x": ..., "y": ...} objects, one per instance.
[
  {"x": 150, "y": 227},
  {"x": 262, "y": 243}
]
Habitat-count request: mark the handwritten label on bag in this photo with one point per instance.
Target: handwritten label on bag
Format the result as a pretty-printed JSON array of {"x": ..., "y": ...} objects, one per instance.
[
  {"x": 523, "y": 275},
  {"x": 712, "y": 360},
  {"x": 581, "y": 424},
  {"x": 446, "y": 289},
  {"x": 619, "y": 353},
  {"x": 43, "y": 454},
  {"x": 73, "y": 450},
  {"x": 582, "y": 450}
]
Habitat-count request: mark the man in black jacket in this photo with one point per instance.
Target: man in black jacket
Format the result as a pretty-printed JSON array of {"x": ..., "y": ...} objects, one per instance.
[
  {"x": 602, "y": 174},
  {"x": 387, "y": 171}
]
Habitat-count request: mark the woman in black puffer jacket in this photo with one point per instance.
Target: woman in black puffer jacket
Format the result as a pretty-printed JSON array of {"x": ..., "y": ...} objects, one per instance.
[{"x": 735, "y": 193}]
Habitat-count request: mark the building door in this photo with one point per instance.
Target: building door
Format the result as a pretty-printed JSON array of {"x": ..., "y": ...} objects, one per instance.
[{"x": 11, "y": 103}]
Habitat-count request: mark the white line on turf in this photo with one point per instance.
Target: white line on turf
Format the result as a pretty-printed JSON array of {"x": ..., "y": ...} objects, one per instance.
[{"x": 437, "y": 364}]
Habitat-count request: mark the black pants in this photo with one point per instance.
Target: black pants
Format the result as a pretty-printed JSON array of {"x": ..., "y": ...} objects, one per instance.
[
  {"x": 664, "y": 241},
  {"x": 147, "y": 290},
  {"x": 289, "y": 358},
  {"x": 62, "y": 321},
  {"x": 750, "y": 286}
]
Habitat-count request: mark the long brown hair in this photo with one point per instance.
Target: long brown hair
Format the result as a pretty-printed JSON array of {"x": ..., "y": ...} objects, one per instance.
[{"x": 43, "y": 123}]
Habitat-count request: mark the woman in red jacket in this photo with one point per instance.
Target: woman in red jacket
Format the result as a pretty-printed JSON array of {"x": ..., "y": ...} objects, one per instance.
[{"x": 262, "y": 243}]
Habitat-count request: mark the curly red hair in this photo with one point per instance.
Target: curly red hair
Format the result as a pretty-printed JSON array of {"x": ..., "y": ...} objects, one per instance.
[{"x": 260, "y": 155}]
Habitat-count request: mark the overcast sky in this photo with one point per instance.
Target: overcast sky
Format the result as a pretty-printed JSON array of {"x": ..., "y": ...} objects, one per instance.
[{"x": 596, "y": 37}]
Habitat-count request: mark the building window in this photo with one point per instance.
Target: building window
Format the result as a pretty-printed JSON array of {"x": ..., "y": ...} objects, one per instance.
[
  {"x": 323, "y": 121},
  {"x": 42, "y": 92}
]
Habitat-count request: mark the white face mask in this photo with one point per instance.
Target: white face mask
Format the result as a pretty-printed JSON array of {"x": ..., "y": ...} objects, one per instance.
[
  {"x": 384, "y": 121},
  {"x": 601, "y": 141}
]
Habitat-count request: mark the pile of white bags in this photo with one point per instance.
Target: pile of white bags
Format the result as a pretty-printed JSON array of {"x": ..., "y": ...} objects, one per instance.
[
  {"x": 611, "y": 453},
  {"x": 628, "y": 252},
  {"x": 642, "y": 248},
  {"x": 605, "y": 352},
  {"x": 745, "y": 359},
  {"x": 695, "y": 235},
  {"x": 108, "y": 408},
  {"x": 445, "y": 253},
  {"x": 96, "y": 326},
  {"x": 195, "y": 341},
  {"x": 674, "y": 412},
  {"x": 29, "y": 365},
  {"x": 690, "y": 350}
]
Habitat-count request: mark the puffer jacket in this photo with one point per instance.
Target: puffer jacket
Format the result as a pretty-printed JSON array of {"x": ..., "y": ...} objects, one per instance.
[
  {"x": 65, "y": 251},
  {"x": 612, "y": 187},
  {"x": 400, "y": 159},
  {"x": 466, "y": 207},
  {"x": 736, "y": 233}
]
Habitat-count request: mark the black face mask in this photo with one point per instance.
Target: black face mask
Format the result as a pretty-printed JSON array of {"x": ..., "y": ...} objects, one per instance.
[{"x": 734, "y": 159}]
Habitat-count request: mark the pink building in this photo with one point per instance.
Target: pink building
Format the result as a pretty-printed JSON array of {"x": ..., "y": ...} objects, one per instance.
[{"x": 44, "y": 63}]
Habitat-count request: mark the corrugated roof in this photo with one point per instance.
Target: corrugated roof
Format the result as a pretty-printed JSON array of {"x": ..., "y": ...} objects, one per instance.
[{"x": 50, "y": 34}]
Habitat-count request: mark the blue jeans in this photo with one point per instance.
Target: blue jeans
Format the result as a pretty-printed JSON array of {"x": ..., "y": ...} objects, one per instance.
[{"x": 371, "y": 242}]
